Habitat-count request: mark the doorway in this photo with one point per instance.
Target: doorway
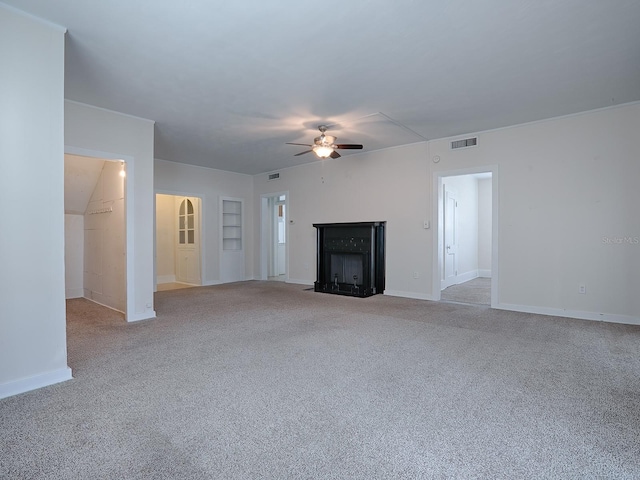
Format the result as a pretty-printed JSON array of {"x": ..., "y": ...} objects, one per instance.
[
  {"x": 274, "y": 233},
  {"x": 466, "y": 206},
  {"x": 95, "y": 230},
  {"x": 178, "y": 242}
]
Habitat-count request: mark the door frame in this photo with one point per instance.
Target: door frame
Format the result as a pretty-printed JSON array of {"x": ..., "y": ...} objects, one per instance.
[
  {"x": 437, "y": 203},
  {"x": 266, "y": 238},
  {"x": 201, "y": 228},
  {"x": 130, "y": 313}
]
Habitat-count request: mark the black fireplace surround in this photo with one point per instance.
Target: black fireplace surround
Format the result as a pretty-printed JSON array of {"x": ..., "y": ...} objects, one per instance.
[{"x": 350, "y": 258}]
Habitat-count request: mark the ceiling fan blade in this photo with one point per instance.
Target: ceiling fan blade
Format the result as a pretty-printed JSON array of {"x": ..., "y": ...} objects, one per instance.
[
  {"x": 303, "y": 144},
  {"x": 349, "y": 146},
  {"x": 302, "y": 153},
  {"x": 335, "y": 154}
]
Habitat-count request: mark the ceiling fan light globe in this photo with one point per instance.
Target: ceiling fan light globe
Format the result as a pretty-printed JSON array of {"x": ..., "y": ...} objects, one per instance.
[{"x": 322, "y": 151}]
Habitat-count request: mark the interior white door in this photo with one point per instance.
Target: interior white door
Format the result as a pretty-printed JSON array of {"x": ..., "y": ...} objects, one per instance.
[
  {"x": 188, "y": 240},
  {"x": 281, "y": 266},
  {"x": 450, "y": 240},
  {"x": 277, "y": 261}
]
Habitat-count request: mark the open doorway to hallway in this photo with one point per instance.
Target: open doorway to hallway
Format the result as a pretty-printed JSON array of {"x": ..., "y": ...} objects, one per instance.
[
  {"x": 274, "y": 211},
  {"x": 95, "y": 230},
  {"x": 178, "y": 242},
  {"x": 467, "y": 247}
]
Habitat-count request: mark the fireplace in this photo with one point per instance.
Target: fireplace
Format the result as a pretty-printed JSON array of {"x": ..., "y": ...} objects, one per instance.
[{"x": 350, "y": 258}]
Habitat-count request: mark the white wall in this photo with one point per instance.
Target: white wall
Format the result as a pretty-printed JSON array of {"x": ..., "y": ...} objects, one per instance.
[
  {"x": 390, "y": 185},
  {"x": 484, "y": 227},
  {"x": 74, "y": 256},
  {"x": 104, "y": 240},
  {"x": 33, "y": 348},
  {"x": 567, "y": 188},
  {"x": 165, "y": 238},
  {"x": 209, "y": 184},
  {"x": 95, "y": 132}
]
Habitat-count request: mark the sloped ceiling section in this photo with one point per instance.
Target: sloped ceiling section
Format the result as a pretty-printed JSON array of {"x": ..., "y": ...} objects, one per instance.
[{"x": 81, "y": 175}]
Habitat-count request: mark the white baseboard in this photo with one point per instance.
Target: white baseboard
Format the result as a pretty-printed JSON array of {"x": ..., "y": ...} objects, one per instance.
[
  {"x": 73, "y": 293},
  {"x": 558, "y": 312},
  {"x": 165, "y": 279},
  {"x": 299, "y": 281},
  {"x": 465, "y": 277},
  {"x": 37, "y": 381},
  {"x": 484, "y": 273},
  {"x": 136, "y": 317},
  {"x": 104, "y": 305},
  {"x": 414, "y": 295}
]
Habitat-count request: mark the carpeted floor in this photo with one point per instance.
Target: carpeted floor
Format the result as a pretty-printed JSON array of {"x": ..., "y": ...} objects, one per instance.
[
  {"x": 269, "y": 380},
  {"x": 476, "y": 291}
]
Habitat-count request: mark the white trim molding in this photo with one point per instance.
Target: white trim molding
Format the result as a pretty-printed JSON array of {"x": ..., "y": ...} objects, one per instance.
[
  {"x": 165, "y": 279},
  {"x": 37, "y": 381},
  {"x": 577, "y": 314},
  {"x": 136, "y": 317},
  {"x": 467, "y": 276},
  {"x": 74, "y": 293},
  {"x": 298, "y": 281},
  {"x": 414, "y": 295}
]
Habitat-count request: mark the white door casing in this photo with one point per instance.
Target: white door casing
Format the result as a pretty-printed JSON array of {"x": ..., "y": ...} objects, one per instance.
[{"x": 438, "y": 187}]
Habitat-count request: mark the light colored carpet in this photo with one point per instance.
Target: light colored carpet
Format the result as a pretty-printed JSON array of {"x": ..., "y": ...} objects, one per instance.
[
  {"x": 268, "y": 380},
  {"x": 476, "y": 291}
]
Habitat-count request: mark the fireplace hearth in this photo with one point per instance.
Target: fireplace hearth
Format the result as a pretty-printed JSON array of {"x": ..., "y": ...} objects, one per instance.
[{"x": 350, "y": 258}]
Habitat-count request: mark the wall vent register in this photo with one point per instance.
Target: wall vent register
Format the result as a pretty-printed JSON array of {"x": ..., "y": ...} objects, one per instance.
[{"x": 465, "y": 142}]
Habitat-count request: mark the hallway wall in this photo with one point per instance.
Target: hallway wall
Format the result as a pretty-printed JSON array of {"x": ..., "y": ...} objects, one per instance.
[
  {"x": 33, "y": 339},
  {"x": 104, "y": 241},
  {"x": 100, "y": 133},
  {"x": 566, "y": 191},
  {"x": 210, "y": 185},
  {"x": 165, "y": 238},
  {"x": 74, "y": 255},
  {"x": 484, "y": 227}
]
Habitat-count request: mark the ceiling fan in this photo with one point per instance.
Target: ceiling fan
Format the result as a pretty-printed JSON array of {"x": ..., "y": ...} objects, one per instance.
[{"x": 324, "y": 146}]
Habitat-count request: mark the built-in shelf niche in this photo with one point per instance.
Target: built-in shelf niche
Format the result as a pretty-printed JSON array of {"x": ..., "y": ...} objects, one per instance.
[{"x": 231, "y": 224}]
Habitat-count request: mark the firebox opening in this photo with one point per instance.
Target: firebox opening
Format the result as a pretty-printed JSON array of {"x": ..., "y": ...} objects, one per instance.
[{"x": 347, "y": 268}]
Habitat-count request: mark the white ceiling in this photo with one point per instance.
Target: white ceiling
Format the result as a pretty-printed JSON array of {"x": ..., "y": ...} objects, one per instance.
[{"x": 229, "y": 82}]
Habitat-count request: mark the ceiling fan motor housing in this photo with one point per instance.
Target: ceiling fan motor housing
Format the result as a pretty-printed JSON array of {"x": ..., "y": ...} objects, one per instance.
[
  {"x": 324, "y": 145},
  {"x": 324, "y": 139}
]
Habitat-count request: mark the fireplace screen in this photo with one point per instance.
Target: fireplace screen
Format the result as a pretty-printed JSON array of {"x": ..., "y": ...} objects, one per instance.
[{"x": 347, "y": 268}]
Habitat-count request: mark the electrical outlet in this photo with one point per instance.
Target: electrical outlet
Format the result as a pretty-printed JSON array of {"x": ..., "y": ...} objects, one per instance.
[
  {"x": 416, "y": 274},
  {"x": 582, "y": 289}
]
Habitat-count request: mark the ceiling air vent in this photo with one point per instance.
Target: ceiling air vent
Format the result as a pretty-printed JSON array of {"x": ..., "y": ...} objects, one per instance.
[
  {"x": 274, "y": 176},
  {"x": 466, "y": 142}
]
